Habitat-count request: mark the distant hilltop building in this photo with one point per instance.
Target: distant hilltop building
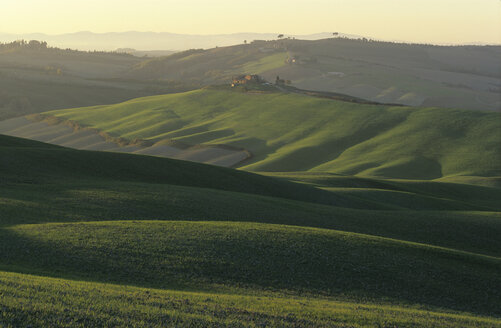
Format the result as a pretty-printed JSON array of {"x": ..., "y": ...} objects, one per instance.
[{"x": 245, "y": 79}]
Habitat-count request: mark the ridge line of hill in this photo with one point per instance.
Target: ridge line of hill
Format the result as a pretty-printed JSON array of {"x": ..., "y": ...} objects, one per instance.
[
  {"x": 409, "y": 243},
  {"x": 335, "y": 96}
]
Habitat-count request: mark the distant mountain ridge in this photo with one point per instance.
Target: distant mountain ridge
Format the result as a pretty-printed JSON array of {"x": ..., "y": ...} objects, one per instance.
[
  {"x": 154, "y": 41},
  {"x": 86, "y": 40}
]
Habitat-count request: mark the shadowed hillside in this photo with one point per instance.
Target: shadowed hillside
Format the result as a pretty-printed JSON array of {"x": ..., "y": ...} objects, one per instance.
[{"x": 35, "y": 77}]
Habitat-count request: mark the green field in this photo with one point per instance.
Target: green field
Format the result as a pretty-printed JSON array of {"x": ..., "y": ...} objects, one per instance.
[
  {"x": 92, "y": 239},
  {"x": 248, "y": 258},
  {"x": 292, "y": 132},
  {"x": 87, "y": 304}
]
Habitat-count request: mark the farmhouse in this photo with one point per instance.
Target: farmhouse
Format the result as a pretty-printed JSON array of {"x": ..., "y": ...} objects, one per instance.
[{"x": 245, "y": 79}]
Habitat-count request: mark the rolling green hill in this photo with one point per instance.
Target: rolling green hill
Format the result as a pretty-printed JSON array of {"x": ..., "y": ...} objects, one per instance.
[
  {"x": 110, "y": 238},
  {"x": 86, "y": 304},
  {"x": 292, "y": 132},
  {"x": 45, "y": 183},
  {"x": 237, "y": 257}
]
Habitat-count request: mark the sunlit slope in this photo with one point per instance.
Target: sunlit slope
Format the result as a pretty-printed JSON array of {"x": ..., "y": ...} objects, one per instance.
[
  {"x": 290, "y": 132},
  {"x": 90, "y": 304}
]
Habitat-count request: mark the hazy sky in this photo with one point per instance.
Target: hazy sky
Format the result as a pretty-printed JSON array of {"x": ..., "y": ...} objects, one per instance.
[{"x": 438, "y": 21}]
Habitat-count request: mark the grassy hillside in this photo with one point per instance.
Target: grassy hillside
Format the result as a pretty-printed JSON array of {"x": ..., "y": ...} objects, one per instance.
[
  {"x": 40, "y": 164},
  {"x": 410, "y": 74},
  {"x": 232, "y": 248},
  {"x": 30, "y": 201},
  {"x": 235, "y": 257},
  {"x": 97, "y": 305},
  {"x": 327, "y": 135},
  {"x": 39, "y": 78},
  {"x": 46, "y": 183},
  {"x": 35, "y": 78},
  {"x": 213, "y": 65},
  {"x": 34, "y": 93}
]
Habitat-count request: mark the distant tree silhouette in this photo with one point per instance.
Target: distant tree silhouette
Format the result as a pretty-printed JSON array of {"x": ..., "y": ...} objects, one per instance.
[
  {"x": 280, "y": 36},
  {"x": 34, "y": 44}
]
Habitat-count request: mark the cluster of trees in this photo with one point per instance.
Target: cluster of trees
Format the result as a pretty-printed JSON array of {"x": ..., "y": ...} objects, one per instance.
[
  {"x": 23, "y": 44},
  {"x": 35, "y": 45}
]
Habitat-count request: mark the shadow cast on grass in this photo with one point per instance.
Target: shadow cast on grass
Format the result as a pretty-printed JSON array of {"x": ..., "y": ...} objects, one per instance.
[{"x": 248, "y": 257}]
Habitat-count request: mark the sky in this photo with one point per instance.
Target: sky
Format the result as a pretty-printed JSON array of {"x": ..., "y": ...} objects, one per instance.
[{"x": 431, "y": 21}]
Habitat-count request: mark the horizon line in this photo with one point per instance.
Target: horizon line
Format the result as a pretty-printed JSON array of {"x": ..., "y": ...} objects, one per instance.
[{"x": 341, "y": 35}]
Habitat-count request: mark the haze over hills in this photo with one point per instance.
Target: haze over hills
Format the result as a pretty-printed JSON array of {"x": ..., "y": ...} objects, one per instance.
[
  {"x": 151, "y": 40},
  {"x": 35, "y": 77},
  {"x": 466, "y": 77},
  {"x": 415, "y": 75},
  {"x": 145, "y": 42}
]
